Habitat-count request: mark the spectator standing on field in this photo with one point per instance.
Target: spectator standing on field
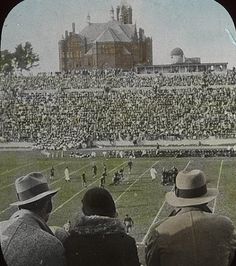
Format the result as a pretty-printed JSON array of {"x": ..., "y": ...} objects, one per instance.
[
  {"x": 192, "y": 235},
  {"x": 26, "y": 238},
  {"x": 67, "y": 174},
  {"x": 98, "y": 237}
]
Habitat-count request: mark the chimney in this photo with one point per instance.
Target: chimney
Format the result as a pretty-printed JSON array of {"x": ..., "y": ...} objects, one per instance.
[
  {"x": 88, "y": 19},
  {"x": 66, "y": 34},
  {"x": 73, "y": 27}
]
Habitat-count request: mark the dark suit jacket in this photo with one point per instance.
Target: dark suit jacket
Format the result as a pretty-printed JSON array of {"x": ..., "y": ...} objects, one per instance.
[{"x": 2, "y": 260}]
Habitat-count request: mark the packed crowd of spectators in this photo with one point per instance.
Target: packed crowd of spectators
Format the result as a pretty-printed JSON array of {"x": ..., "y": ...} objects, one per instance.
[
  {"x": 112, "y": 78},
  {"x": 56, "y": 119},
  {"x": 194, "y": 152}
]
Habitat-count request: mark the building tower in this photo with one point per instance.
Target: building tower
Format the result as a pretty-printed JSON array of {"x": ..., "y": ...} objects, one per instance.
[
  {"x": 124, "y": 13},
  {"x": 129, "y": 15},
  {"x": 88, "y": 19},
  {"x": 112, "y": 13},
  {"x": 117, "y": 13},
  {"x": 177, "y": 56}
]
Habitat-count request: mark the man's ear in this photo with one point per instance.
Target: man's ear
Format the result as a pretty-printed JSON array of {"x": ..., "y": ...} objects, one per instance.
[{"x": 47, "y": 207}]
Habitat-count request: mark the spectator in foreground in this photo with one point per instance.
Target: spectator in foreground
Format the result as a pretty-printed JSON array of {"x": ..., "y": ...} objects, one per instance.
[
  {"x": 99, "y": 238},
  {"x": 194, "y": 235},
  {"x": 25, "y": 237}
]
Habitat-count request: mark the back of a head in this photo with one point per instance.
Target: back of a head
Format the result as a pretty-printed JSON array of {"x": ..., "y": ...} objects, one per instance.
[{"x": 98, "y": 201}]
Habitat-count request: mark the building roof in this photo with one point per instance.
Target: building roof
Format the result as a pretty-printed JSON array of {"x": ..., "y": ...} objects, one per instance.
[
  {"x": 177, "y": 51},
  {"x": 108, "y": 32},
  {"x": 108, "y": 35}
]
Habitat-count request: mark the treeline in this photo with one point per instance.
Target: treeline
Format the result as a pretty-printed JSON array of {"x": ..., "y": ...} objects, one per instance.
[{"x": 23, "y": 58}]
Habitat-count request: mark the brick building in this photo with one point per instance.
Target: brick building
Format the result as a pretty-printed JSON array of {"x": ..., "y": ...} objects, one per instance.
[{"x": 114, "y": 44}]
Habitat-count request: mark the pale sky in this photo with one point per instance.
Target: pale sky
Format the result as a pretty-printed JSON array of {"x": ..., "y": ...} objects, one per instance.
[{"x": 196, "y": 26}]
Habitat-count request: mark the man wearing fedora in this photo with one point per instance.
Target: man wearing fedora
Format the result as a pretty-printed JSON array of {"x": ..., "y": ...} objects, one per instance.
[
  {"x": 192, "y": 235},
  {"x": 25, "y": 238}
]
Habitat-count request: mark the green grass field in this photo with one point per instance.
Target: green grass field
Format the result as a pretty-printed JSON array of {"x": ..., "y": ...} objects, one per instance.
[{"x": 138, "y": 196}]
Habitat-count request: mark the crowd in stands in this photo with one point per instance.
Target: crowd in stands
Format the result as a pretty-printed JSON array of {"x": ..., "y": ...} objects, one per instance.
[
  {"x": 111, "y": 78},
  {"x": 68, "y": 119},
  {"x": 50, "y": 111}
]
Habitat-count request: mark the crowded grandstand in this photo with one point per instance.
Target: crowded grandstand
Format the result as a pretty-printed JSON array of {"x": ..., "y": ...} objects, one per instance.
[{"x": 74, "y": 110}]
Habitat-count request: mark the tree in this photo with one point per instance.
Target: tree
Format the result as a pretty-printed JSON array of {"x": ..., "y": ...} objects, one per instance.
[
  {"x": 6, "y": 62},
  {"x": 24, "y": 57}
]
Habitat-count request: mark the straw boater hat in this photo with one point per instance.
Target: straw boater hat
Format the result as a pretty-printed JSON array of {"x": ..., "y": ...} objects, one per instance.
[
  {"x": 191, "y": 190},
  {"x": 31, "y": 188}
]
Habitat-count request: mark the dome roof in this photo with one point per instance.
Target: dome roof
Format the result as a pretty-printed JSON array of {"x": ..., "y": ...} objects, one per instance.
[{"x": 177, "y": 51}]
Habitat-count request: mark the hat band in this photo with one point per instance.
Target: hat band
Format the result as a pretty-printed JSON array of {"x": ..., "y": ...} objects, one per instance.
[
  {"x": 191, "y": 193},
  {"x": 32, "y": 192}
]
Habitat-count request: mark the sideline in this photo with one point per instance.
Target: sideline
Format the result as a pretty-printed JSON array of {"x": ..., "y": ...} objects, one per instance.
[
  {"x": 158, "y": 213},
  {"x": 217, "y": 186}
]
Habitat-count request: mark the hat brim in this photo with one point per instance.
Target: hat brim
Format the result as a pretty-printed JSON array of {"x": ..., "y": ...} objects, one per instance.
[
  {"x": 38, "y": 197},
  {"x": 175, "y": 201}
]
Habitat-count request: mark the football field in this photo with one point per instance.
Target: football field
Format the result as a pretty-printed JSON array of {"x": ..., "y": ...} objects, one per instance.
[{"x": 138, "y": 196}]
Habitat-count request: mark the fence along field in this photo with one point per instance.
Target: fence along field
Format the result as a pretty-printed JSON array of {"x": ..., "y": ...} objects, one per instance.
[{"x": 137, "y": 196}]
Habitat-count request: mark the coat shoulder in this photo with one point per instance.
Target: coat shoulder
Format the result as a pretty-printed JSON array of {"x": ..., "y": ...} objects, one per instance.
[{"x": 21, "y": 240}]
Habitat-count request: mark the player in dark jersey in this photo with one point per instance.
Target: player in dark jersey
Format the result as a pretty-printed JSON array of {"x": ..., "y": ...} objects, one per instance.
[
  {"x": 130, "y": 164},
  {"x": 52, "y": 173},
  {"x": 128, "y": 222},
  {"x": 103, "y": 180},
  {"x": 95, "y": 169},
  {"x": 104, "y": 168},
  {"x": 83, "y": 179}
]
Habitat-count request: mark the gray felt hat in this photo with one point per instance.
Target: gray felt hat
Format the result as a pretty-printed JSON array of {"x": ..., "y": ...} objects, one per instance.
[
  {"x": 32, "y": 187},
  {"x": 191, "y": 190}
]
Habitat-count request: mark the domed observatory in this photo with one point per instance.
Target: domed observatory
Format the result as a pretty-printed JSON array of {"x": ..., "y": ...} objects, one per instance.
[{"x": 177, "y": 56}]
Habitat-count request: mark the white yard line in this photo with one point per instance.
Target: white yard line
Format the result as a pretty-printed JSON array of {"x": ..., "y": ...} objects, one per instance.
[
  {"x": 44, "y": 170},
  {"x": 8, "y": 208},
  {"x": 218, "y": 184},
  {"x": 158, "y": 213},
  {"x": 79, "y": 192},
  {"x": 128, "y": 188},
  {"x": 185, "y": 168},
  {"x": 16, "y": 168}
]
